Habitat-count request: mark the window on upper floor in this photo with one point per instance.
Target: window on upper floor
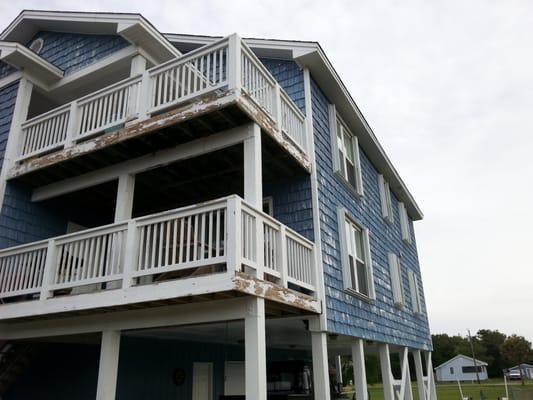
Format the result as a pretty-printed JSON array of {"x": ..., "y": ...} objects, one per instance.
[
  {"x": 345, "y": 148},
  {"x": 396, "y": 279},
  {"x": 414, "y": 290},
  {"x": 404, "y": 223},
  {"x": 356, "y": 259},
  {"x": 386, "y": 199}
]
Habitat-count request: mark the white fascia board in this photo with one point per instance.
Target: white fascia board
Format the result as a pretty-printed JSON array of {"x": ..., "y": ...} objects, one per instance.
[
  {"x": 133, "y": 27},
  {"x": 26, "y": 60}
]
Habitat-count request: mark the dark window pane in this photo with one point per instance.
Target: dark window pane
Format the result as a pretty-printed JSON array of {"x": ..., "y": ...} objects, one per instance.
[
  {"x": 350, "y": 172},
  {"x": 361, "y": 278},
  {"x": 352, "y": 272}
]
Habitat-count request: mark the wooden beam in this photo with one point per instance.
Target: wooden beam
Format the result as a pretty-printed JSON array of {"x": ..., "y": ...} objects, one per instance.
[
  {"x": 319, "y": 345},
  {"x": 108, "y": 366},
  {"x": 160, "y": 158}
]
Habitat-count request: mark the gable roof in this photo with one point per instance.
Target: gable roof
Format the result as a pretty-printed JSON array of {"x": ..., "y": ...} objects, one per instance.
[
  {"x": 478, "y": 362},
  {"x": 133, "y": 27},
  {"x": 523, "y": 365}
]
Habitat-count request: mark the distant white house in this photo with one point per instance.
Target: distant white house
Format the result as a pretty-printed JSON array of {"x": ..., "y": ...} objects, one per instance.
[
  {"x": 461, "y": 368},
  {"x": 527, "y": 370}
]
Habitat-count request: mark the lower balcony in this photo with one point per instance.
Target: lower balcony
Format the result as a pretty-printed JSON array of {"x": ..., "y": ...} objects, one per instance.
[{"x": 217, "y": 249}]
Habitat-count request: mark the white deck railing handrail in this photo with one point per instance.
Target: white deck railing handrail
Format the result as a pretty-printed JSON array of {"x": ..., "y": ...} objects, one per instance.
[
  {"x": 224, "y": 231},
  {"x": 228, "y": 63}
]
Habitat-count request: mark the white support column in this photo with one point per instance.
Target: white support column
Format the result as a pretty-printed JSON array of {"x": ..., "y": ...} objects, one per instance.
[
  {"x": 253, "y": 185},
  {"x": 138, "y": 65},
  {"x": 319, "y": 345},
  {"x": 359, "y": 370},
  {"x": 406, "y": 391},
  {"x": 124, "y": 203},
  {"x": 432, "y": 390},
  {"x": 255, "y": 350},
  {"x": 108, "y": 366},
  {"x": 49, "y": 270},
  {"x": 338, "y": 368},
  {"x": 73, "y": 125},
  {"x": 419, "y": 375},
  {"x": 386, "y": 372}
]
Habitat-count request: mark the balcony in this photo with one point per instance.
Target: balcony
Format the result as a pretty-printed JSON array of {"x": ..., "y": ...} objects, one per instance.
[
  {"x": 210, "y": 78},
  {"x": 222, "y": 247}
]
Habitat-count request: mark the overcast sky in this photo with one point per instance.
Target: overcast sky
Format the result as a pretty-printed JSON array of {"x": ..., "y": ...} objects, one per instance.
[{"x": 447, "y": 87}]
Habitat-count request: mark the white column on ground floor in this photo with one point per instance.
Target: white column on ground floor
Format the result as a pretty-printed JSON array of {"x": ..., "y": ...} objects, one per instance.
[
  {"x": 255, "y": 350},
  {"x": 124, "y": 202},
  {"x": 253, "y": 187},
  {"x": 406, "y": 391},
  {"x": 319, "y": 345},
  {"x": 386, "y": 371},
  {"x": 432, "y": 389},
  {"x": 108, "y": 366},
  {"x": 359, "y": 370},
  {"x": 419, "y": 374}
]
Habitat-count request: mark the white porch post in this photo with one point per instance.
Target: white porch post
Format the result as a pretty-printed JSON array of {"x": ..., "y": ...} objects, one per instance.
[
  {"x": 432, "y": 390},
  {"x": 406, "y": 375},
  {"x": 108, "y": 367},
  {"x": 255, "y": 350},
  {"x": 124, "y": 203},
  {"x": 253, "y": 187},
  {"x": 386, "y": 371},
  {"x": 319, "y": 345},
  {"x": 138, "y": 65},
  {"x": 359, "y": 369},
  {"x": 419, "y": 374}
]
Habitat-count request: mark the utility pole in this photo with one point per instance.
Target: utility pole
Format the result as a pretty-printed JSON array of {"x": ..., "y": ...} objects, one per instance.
[{"x": 473, "y": 356}]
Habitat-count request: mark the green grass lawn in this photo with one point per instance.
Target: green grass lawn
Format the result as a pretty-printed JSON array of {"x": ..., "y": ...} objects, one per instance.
[{"x": 492, "y": 390}]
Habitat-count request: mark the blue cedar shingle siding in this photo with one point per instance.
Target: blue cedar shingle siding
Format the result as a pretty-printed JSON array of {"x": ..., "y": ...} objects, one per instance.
[
  {"x": 291, "y": 198},
  {"x": 380, "y": 320},
  {"x": 73, "y": 51},
  {"x": 6, "y": 69}
]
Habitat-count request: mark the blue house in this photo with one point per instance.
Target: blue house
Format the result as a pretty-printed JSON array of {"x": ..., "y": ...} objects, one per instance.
[{"x": 194, "y": 217}]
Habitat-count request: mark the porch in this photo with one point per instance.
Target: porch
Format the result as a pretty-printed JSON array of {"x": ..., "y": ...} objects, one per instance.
[
  {"x": 216, "y": 87},
  {"x": 217, "y": 249}
]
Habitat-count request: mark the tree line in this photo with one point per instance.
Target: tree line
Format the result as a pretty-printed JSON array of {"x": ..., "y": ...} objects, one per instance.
[{"x": 497, "y": 349}]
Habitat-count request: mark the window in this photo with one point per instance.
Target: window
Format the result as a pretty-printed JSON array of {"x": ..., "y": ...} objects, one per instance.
[
  {"x": 37, "y": 45},
  {"x": 415, "y": 292},
  {"x": 471, "y": 369},
  {"x": 404, "y": 223},
  {"x": 356, "y": 259},
  {"x": 451, "y": 370},
  {"x": 345, "y": 147},
  {"x": 396, "y": 279},
  {"x": 386, "y": 201}
]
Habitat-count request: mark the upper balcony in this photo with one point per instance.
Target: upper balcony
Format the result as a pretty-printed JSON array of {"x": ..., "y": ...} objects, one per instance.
[
  {"x": 224, "y": 83},
  {"x": 217, "y": 249}
]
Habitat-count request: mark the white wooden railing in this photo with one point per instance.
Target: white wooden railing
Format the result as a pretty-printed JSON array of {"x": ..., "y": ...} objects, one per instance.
[
  {"x": 228, "y": 64},
  {"x": 226, "y": 233}
]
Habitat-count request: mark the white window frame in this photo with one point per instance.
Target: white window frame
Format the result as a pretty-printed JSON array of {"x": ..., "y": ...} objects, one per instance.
[
  {"x": 395, "y": 270},
  {"x": 339, "y": 166},
  {"x": 345, "y": 246},
  {"x": 415, "y": 293},
  {"x": 404, "y": 223},
  {"x": 386, "y": 199}
]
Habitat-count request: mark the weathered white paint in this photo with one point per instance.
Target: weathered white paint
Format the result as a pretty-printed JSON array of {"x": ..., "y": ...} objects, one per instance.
[
  {"x": 255, "y": 350},
  {"x": 124, "y": 202},
  {"x": 359, "y": 369},
  {"x": 108, "y": 366},
  {"x": 319, "y": 346},
  {"x": 386, "y": 371}
]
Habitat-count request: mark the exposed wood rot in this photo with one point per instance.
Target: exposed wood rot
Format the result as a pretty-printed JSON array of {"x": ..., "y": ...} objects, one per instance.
[{"x": 250, "y": 285}]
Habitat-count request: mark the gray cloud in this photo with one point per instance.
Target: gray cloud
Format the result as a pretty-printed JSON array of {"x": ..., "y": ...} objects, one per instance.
[{"x": 447, "y": 87}]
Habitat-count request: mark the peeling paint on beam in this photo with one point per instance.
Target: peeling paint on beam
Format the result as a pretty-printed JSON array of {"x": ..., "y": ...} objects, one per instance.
[
  {"x": 270, "y": 291},
  {"x": 270, "y": 127},
  {"x": 200, "y": 107}
]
